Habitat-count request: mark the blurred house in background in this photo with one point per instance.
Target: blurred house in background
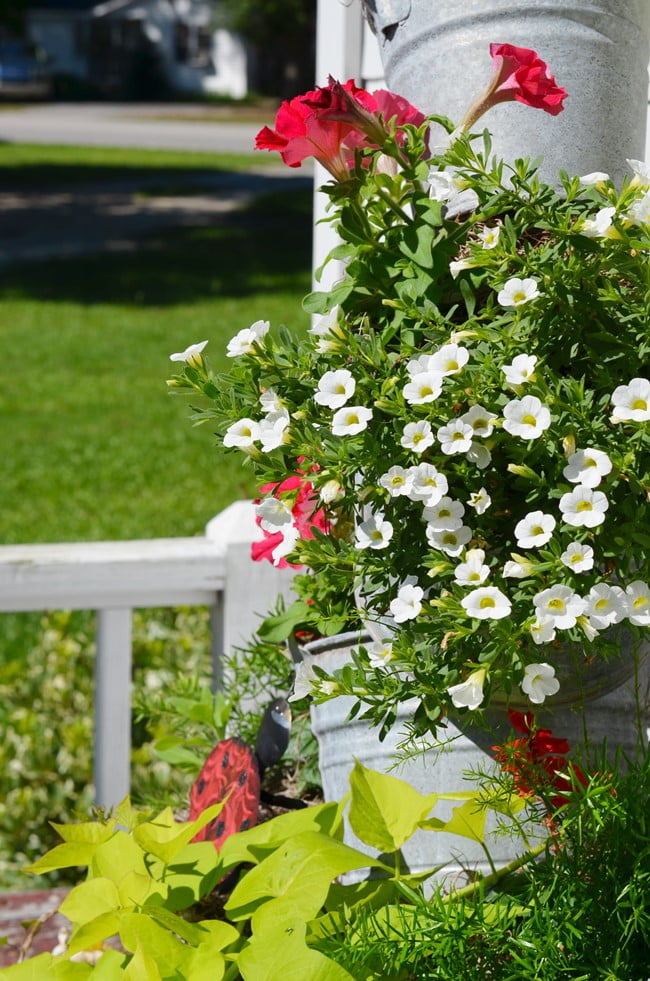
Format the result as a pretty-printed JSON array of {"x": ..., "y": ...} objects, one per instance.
[{"x": 137, "y": 49}]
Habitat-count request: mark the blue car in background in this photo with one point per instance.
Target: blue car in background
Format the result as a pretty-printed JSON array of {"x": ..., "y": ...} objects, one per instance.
[{"x": 23, "y": 72}]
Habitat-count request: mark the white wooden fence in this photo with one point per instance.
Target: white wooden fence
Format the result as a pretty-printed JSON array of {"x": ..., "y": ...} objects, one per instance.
[{"x": 114, "y": 578}]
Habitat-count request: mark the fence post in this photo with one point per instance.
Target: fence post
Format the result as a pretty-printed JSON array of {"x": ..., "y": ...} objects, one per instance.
[{"x": 112, "y": 768}]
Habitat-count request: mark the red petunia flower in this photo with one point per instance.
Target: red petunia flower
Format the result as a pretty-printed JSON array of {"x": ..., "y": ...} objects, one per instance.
[
  {"x": 519, "y": 73},
  {"x": 307, "y": 515}
]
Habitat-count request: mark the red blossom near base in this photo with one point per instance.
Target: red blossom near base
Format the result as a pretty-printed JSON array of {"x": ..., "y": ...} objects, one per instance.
[
  {"x": 329, "y": 122},
  {"x": 538, "y": 762},
  {"x": 306, "y": 516}
]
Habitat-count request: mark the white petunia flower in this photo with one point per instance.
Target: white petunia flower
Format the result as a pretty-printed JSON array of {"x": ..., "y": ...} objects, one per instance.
[
  {"x": 517, "y": 291},
  {"x": 639, "y": 212},
  {"x": 486, "y": 603},
  {"x": 189, "y": 354},
  {"x": 418, "y": 365},
  {"x": 479, "y": 455},
  {"x": 587, "y": 467},
  {"x": 375, "y": 532},
  {"x": 578, "y": 557},
  {"x": 489, "y": 237},
  {"x": 350, "y": 420},
  {"x": 330, "y": 490},
  {"x": 520, "y": 370},
  {"x": 324, "y": 330},
  {"x": 560, "y": 604},
  {"x": 457, "y": 266},
  {"x": 641, "y": 172},
  {"x": 442, "y": 185},
  {"x": 605, "y": 605},
  {"x": 473, "y": 571},
  {"x": 450, "y": 542},
  {"x": 335, "y": 388},
  {"x": 380, "y": 653},
  {"x": 270, "y": 401},
  {"x": 632, "y": 402},
  {"x": 445, "y": 515},
  {"x": 583, "y": 507},
  {"x": 274, "y": 514},
  {"x": 274, "y": 430},
  {"x": 455, "y": 437},
  {"x": 468, "y": 694},
  {"x": 243, "y": 433},
  {"x": 542, "y": 631},
  {"x": 481, "y": 421},
  {"x": 534, "y": 530},
  {"x": 290, "y": 537},
  {"x": 597, "y": 226},
  {"x": 423, "y": 387},
  {"x": 242, "y": 343},
  {"x": 526, "y": 418},
  {"x": 305, "y": 680},
  {"x": 417, "y": 436},
  {"x": 539, "y": 682},
  {"x": 517, "y": 568},
  {"x": 637, "y": 596},
  {"x": 449, "y": 360},
  {"x": 429, "y": 485},
  {"x": 480, "y": 500},
  {"x": 597, "y": 177},
  {"x": 407, "y": 605},
  {"x": 397, "y": 481}
]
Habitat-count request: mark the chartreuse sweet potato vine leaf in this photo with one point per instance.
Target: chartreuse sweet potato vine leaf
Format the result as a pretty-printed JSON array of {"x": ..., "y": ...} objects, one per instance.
[
  {"x": 283, "y": 955},
  {"x": 385, "y": 811}
]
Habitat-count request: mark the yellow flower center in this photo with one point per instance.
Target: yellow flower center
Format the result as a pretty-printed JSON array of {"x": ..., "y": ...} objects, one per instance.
[
  {"x": 640, "y": 404},
  {"x": 518, "y": 297},
  {"x": 486, "y": 602},
  {"x": 556, "y": 604},
  {"x": 529, "y": 420},
  {"x": 585, "y": 506}
]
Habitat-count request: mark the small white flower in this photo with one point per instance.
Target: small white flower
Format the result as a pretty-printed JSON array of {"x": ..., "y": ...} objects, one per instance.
[
  {"x": 305, "y": 680},
  {"x": 375, "y": 532},
  {"x": 641, "y": 172},
  {"x": 189, "y": 354},
  {"x": 489, "y": 237},
  {"x": 520, "y": 370},
  {"x": 526, "y": 418},
  {"x": 270, "y": 401},
  {"x": 637, "y": 597},
  {"x": 335, "y": 388},
  {"x": 479, "y": 455},
  {"x": 418, "y": 365},
  {"x": 486, "y": 603},
  {"x": 417, "y": 436},
  {"x": 517, "y": 568},
  {"x": 539, "y": 682},
  {"x": 542, "y": 631},
  {"x": 290, "y": 537},
  {"x": 481, "y": 421},
  {"x": 380, "y": 653},
  {"x": 429, "y": 485},
  {"x": 330, "y": 491},
  {"x": 534, "y": 530},
  {"x": 632, "y": 402},
  {"x": 517, "y": 291},
  {"x": 468, "y": 694},
  {"x": 273, "y": 430},
  {"x": 455, "y": 437},
  {"x": 324, "y": 330},
  {"x": 407, "y": 605},
  {"x": 446, "y": 515},
  {"x": 450, "y": 542},
  {"x": 397, "y": 481},
  {"x": 473, "y": 571},
  {"x": 597, "y": 226},
  {"x": 605, "y": 605},
  {"x": 587, "y": 467},
  {"x": 597, "y": 177},
  {"x": 423, "y": 387},
  {"x": 243, "y": 433},
  {"x": 578, "y": 557},
  {"x": 639, "y": 212},
  {"x": 559, "y": 604},
  {"x": 442, "y": 185},
  {"x": 449, "y": 360},
  {"x": 274, "y": 514},
  {"x": 457, "y": 266},
  {"x": 350, "y": 420},
  {"x": 480, "y": 500},
  {"x": 583, "y": 507},
  {"x": 242, "y": 343}
]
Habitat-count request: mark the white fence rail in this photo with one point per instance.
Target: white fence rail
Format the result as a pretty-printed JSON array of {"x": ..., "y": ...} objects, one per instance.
[{"x": 114, "y": 578}]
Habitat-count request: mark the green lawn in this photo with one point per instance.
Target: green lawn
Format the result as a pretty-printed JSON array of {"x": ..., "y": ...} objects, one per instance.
[{"x": 91, "y": 444}]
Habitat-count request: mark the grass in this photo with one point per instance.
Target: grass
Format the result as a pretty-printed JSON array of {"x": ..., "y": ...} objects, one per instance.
[{"x": 92, "y": 446}]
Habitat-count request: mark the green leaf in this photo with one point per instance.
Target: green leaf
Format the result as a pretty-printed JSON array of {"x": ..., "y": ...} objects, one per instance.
[
  {"x": 173, "y": 750},
  {"x": 138, "y": 931},
  {"x": 280, "y": 626},
  {"x": 192, "y": 933},
  {"x": 164, "y": 836},
  {"x": 468, "y": 820},
  {"x": 135, "y": 888},
  {"x": 65, "y": 856},
  {"x": 35, "y": 969},
  {"x": 193, "y": 873},
  {"x": 118, "y": 856},
  {"x": 258, "y": 842},
  {"x": 385, "y": 811},
  {"x": 299, "y": 872},
  {"x": 93, "y": 933},
  {"x": 109, "y": 967},
  {"x": 142, "y": 968},
  {"x": 128, "y": 816},
  {"x": 89, "y": 832},
  {"x": 286, "y": 957},
  {"x": 90, "y": 899}
]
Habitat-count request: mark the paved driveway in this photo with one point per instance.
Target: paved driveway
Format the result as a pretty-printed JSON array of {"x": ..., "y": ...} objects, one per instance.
[{"x": 131, "y": 125}]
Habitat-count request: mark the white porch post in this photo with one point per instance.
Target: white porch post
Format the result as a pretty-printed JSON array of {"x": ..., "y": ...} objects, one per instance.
[{"x": 113, "y": 707}]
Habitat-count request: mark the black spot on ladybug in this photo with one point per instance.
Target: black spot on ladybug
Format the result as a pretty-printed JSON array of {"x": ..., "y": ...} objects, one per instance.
[
  {"x": 220, "y": 829},
  {"x": 210, "y": 828},
  {"x": 245, "y": 825},
  {"x": 201, "y": 786},
  {"x": 243, "y": 777},
  {"x": 226, "y": 760}
]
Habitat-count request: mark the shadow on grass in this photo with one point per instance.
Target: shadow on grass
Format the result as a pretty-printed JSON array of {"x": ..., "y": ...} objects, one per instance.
[{"x": 265, "y": 246}]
